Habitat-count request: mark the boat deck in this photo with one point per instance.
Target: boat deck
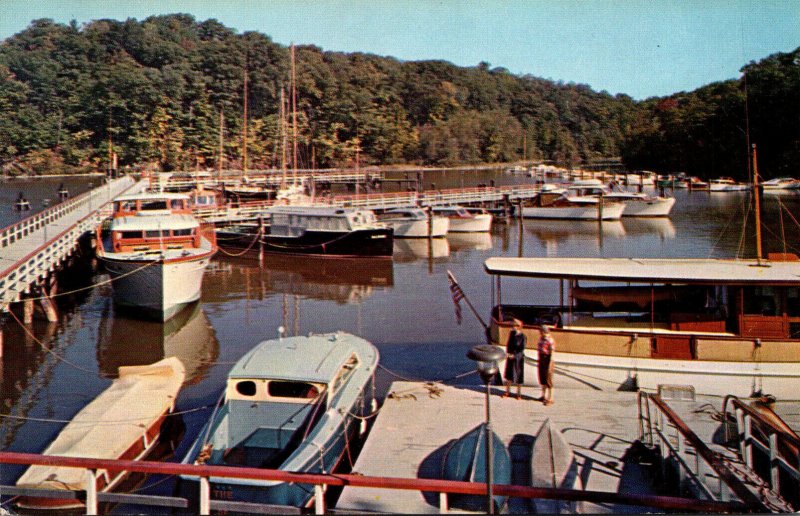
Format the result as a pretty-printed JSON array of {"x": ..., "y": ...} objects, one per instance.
[{"x": 417, "y": 422}]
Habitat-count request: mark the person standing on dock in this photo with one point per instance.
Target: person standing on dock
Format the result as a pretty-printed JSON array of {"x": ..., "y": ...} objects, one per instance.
[
  {"x": 515, "y": 359},
  {"x": 546, "y": 346}
]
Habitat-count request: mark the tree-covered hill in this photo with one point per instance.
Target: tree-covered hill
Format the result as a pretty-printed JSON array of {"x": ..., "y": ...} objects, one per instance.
[{"x": 162, "y": 90}]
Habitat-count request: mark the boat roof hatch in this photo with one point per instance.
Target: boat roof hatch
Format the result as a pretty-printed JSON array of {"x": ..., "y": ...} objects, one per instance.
[{"x": 636, "y": 270}]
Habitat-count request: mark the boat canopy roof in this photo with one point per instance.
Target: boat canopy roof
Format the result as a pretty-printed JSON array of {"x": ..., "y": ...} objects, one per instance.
[
  {"x": 151, "y": 196},
  {"x": 150, "y": 223},
  {"x": 645, "y": 270},
  {"x": 316, "y": 358}
]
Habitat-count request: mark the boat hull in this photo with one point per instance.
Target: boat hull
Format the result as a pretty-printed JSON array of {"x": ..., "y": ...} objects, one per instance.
[
  {"x": 372, "y": 242},
  {"x": 478, "y": 223},
  {"x": 419, "y": 228},
  {"x": 658, "y": 207},
  {"x": 610, "y": 211},
  {"x": 157, "y": 289},
  {"x": 709, "y": 377}
]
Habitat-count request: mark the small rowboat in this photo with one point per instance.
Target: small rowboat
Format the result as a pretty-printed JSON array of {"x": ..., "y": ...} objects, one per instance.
[
  {"x": 124, "y": 422},
  {"x": 553, "y": 466},
  {"x": 465, "y": 460}
]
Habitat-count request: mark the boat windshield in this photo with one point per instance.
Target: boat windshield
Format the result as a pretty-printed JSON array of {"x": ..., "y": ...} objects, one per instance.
[{"x": 274, "y": 390}]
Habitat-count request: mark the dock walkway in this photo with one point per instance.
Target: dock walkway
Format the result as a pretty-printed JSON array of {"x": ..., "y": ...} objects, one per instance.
[{"x": 416, "y": 422}]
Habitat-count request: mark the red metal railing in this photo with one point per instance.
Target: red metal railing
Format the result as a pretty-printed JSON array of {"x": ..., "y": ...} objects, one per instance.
[{"x": 353, "y": 480}]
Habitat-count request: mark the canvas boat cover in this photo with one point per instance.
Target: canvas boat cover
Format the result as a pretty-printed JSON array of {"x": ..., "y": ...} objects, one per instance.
[{"x": 111, "y": 423}]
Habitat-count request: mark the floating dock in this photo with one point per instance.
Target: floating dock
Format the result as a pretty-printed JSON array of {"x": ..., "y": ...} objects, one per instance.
[{"x": 418, "y": 421}]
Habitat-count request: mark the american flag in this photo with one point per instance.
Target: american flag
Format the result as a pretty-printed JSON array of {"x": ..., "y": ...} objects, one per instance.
[{"x": 457, "y": 293}]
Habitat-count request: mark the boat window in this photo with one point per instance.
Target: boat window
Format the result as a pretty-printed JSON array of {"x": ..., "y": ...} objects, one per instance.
[
  {"x": 762, "y": 300},
  {"x": 159, "y": 204},
  {"x": 181, "y": 232},
  {"x": 125, "y": 206},
  {"x": 287, "y": 389},
  {"x": 153, "y": 233},
  {"x": 176, "y": 204},
  {"x": 246, "y": 388},
  {"x": 131, "y": 234}
]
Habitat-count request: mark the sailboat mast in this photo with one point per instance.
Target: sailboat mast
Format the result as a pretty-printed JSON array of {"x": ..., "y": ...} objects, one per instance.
[
  {"x": 221, "y": 130},
  {"x": 293, "y": 84},
  {"x": 283, "y": 139},
  {"x": 757, "y": 205},
  {"x": 244, "y": 126}
]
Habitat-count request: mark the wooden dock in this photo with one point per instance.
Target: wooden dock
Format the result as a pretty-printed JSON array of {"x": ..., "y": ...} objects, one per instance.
[{"x": 417, "y": 421}]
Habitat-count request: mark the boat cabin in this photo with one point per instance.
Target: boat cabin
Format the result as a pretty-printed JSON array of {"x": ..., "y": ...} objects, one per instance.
[
  {"x": 687, "y": 308},
  {"x": 295, "y": 221},
  {"x": 273, "y": 402},
  {"x": 153, "y": 223}
]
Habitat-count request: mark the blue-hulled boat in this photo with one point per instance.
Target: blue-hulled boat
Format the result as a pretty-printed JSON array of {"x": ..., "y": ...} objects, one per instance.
[
  {"x": 465, "y": 460},
  {"x": 291, "y": 404}
]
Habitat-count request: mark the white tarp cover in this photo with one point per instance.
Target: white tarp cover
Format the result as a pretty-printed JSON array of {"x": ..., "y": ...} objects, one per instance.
[{"x": 107, "y": 426}]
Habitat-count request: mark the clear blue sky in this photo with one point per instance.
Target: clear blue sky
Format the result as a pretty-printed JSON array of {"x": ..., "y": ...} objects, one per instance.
[{"x": 639, "y": 47}]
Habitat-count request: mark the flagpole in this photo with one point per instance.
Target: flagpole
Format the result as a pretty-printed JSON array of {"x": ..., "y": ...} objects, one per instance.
[{"x": 469, "y": 304}]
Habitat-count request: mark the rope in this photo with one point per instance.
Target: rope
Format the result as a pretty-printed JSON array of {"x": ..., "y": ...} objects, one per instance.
[
  {"x": 740, "y": 248},
  {"x": 99, "y": 422},
  {"x": 249, "y": 247},
  {"x": 724, "y": 230}
]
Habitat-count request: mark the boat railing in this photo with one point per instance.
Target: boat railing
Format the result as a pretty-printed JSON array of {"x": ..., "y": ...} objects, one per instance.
[
  {"x": 94, "y": 467},
  {"x": 765, "y": 447},
  {"x": 698, "y": 467}
]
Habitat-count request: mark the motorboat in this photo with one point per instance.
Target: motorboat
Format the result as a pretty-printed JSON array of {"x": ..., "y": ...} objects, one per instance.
[
  {"x": 462, "y": 220},
  {"x": 414, "y": 223},
  {"x": 726, "y": 184},
  {"x": 555, "y": 203},
  {"x": 156, "y": 252},
  {"x": 294, "y": 404},
  {"x": 781, "y": 183},
  {"x": 724, "y": 326},
  {"x": 465, "y": 461},
  {"x": 312, "y": 230},
  {"x": 124, "y": 423},
  {"x": 695, "y": 183},
  {"x": 637, "y": 204}
]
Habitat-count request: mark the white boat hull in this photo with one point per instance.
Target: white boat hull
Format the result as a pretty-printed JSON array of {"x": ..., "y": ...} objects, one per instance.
[
  {"x": 159, "y": 289},
  {"x": 419, "y": 228},
  {"x": 727, "y": 188},
  {"x": 478, "y": 223},
  {"x": 657, "y": 207},
  {"x": 611, "y": 211},
  {"x": 714, "y": 378}
]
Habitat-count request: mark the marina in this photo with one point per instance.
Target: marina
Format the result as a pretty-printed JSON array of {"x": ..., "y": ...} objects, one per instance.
[{"x": 245, "y": 300}]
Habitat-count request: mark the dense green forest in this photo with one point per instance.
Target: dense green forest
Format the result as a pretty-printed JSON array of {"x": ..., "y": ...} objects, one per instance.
[{"x": 162, "y": 91}]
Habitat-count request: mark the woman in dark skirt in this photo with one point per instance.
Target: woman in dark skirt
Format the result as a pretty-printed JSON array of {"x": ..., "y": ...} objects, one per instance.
[
  {"x": 515, "y": 359},
  {"x": 546, "y": 346}
]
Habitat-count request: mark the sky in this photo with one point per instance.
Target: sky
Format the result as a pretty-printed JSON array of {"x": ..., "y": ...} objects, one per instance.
[{"x": 641, "y": 48}]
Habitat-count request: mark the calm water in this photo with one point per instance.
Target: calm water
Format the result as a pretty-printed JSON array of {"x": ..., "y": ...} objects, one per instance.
[{"x": 403, "y": 306}]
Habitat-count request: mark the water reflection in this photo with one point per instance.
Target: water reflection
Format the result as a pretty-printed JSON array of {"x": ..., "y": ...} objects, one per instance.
[
  {"x": 408, "y": 250},
  {"x": 467, "y": 241},
  {"x": 188, "y": 336},
  {"x": 332, "y": 279},
  {"x": 642, "y": 226}
]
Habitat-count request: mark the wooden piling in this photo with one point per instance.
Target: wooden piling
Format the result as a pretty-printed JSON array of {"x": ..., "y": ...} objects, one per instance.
[{"x": 27, "y": 311}]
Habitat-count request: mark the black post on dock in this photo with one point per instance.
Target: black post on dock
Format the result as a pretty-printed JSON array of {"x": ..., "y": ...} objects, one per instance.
[
  {"x": 429, "y": 214},
  {"x": 506, "y": 207}
]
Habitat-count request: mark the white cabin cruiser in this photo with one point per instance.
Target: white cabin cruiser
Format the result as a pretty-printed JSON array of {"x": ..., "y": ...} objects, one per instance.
[
  {"x": 463, "y": 220},
  {"x": 414, "y": 223}
]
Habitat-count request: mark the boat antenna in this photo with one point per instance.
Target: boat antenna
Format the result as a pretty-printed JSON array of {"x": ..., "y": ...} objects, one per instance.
[
  {"x": 293, "y": 84},
  {"x": 757, "y": 205}
]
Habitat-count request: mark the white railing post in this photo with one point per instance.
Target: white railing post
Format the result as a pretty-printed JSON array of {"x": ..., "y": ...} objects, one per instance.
[
  {"x": 774, "y": 466},
  {"x": 443, "y": 503},
  {"x": 319, "y": 499},
  {"x": 205, "y": 496},
  {"x": 91, "y": 492}
]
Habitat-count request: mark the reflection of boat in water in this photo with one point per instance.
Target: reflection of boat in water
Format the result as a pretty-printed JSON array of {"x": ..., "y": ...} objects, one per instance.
[
  {"x": 406, "y": 250},
  {"x": 124, "y": 422},
  {"x": 338, "y": 279},
  {"x": 466, "y": 241},
  {"x": 661, "y": 227},
  {"x": 559, "y": 230},
  {"x": 188, "y": 336}
]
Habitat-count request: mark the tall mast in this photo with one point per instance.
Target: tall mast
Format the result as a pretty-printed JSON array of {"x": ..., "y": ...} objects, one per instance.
[
  {"x": 244, "y": 127},
  {"x": 221, "y": 130},
  {"x": 282, "y": 122},
  {"x": 294, "y": 120},
  {"x": 758, "y": 205}
]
